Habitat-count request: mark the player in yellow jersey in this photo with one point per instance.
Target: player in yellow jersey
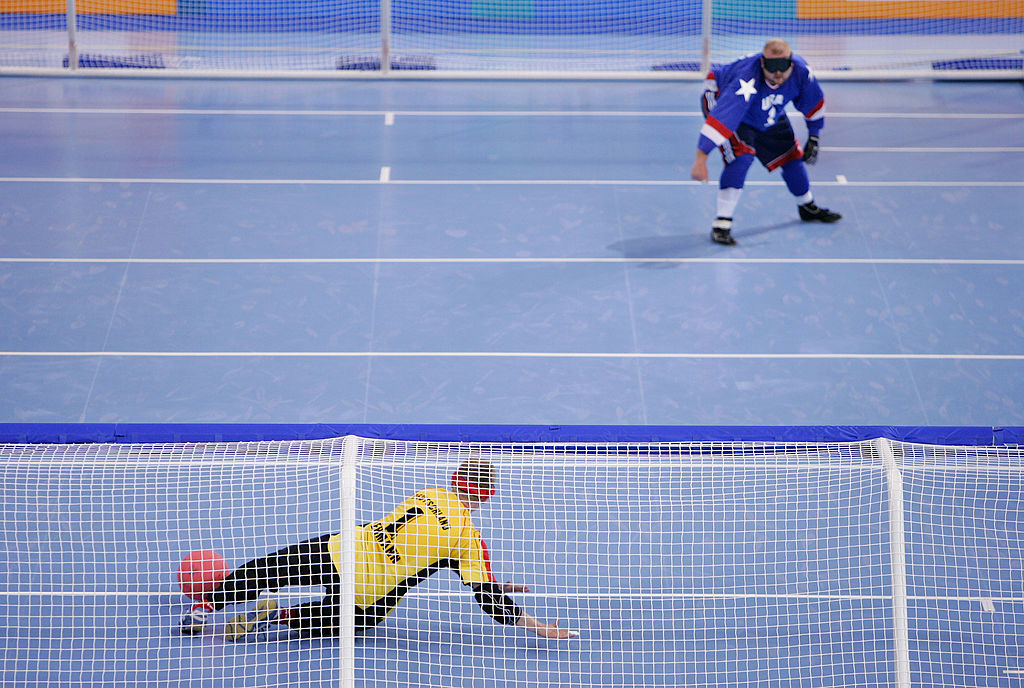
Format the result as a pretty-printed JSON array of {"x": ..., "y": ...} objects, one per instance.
[{"x": 429, "y": 531}]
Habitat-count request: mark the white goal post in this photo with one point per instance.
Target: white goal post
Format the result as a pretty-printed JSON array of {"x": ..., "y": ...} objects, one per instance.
[
  {"x": 509, "y": 39},
  {"x": 731, "y": 564}
]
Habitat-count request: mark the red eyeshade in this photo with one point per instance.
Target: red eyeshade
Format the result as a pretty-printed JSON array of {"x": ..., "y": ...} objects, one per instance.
[{"x": 460, "y": 483}]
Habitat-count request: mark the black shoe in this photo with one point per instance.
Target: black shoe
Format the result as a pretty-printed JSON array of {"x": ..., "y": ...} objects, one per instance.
[
  {"x": 721, "y": 231},
  {"x": 812, "y": 213}
]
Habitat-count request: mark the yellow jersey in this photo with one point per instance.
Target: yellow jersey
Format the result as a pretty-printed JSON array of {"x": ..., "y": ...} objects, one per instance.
[{"x": 429, "y": 531}]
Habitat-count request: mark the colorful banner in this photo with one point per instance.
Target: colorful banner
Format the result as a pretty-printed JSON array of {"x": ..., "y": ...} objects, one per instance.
[
  {"x": 909, "y": 9},
  {"x": 165, "y": 7}
]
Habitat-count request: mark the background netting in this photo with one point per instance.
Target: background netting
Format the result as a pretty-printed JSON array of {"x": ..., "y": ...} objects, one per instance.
[
  {"x": 712, "y": 564},
  {"x": 878, "y": 38}
]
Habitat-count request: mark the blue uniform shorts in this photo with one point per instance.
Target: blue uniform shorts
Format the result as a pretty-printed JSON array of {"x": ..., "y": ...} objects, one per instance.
[{"x": 774, "y": 147}]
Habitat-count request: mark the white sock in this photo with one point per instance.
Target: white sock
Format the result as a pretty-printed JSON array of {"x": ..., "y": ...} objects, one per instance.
[
  {"x": 805, "y": 199},
  {"x": 727, "y": 201}
]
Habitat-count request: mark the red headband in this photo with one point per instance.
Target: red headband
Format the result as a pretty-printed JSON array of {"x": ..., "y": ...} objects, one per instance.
[{"x": 460, "y": 483}]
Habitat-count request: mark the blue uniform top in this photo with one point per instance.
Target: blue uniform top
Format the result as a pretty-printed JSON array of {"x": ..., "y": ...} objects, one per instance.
[{"x": 743, "y": 96}]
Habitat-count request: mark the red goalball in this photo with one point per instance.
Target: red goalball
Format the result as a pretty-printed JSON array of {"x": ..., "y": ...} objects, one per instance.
[{"x": 201, "y": 572}]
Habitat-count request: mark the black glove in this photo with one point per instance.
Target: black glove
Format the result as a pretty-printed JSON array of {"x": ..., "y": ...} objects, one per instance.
[
  {"x": 707, "y": 102},
  {"x": 811, "y": 150}
]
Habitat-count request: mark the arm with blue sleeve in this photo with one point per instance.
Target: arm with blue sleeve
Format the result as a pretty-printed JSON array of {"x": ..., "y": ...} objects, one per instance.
[
  {"x": 724, "y": 117},
  {"x": 811, "y": 103},
  {"x": 724, "y": 109}
]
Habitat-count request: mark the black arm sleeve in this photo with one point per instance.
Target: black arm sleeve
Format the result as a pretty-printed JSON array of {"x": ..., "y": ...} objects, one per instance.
[{"x": 497, "y": 604}]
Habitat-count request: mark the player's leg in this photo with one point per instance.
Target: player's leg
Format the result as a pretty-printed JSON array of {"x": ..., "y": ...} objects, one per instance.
[
  {"x": 322, "y": 618},
  {"x": 317, "y": 619},
  {"x": 307, "y": 564},
  {"x": 299, "y": 564},
  {"x": 313, "y": 619},
  {"x": 730, "y": 188},
  {"x": 777, "y": 147},
  {"x": 304, "y": 563},
  {"x": 738, "y": 154},
  {"x": 794, "y": 173},
  {"x": 256, "y": 620}
]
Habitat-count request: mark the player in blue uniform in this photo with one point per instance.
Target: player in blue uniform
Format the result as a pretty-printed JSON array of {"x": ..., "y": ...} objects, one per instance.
[{"x": 744, "y": 106}]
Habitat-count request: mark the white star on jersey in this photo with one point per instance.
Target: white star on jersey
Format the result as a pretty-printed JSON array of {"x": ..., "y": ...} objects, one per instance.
[{"x": 746, "y": 89}]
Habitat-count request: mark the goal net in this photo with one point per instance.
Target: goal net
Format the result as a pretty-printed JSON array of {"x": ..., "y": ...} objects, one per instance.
[
  {"x": 631, "y": 38},
  {"x": 705, "y": 564},
  {"x": 881, "y": 38}
]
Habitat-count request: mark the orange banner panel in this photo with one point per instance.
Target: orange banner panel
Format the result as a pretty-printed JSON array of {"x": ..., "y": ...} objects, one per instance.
[
  {"x": 90, "y": 6},
  {"x": 909, "y": 9}
]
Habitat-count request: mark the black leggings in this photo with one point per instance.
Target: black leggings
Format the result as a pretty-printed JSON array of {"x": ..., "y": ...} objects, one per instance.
[{"x": 307, "y": 563}]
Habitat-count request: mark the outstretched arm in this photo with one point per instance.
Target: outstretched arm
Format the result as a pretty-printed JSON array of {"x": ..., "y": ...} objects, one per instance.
[
  {"x": 492, "y": 599},
  {"x": 509, "y": 586},
  {"x": 545, "y": 630}
]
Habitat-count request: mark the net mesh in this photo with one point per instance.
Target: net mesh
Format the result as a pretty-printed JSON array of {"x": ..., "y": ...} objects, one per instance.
[
  {"x": 634, "y": 37},
  {"x": 712, "y": 564},
  {"x": 878, "y": 38},
  {"x": 965, "y": 532},
  {"x": 92, "y": 539}
]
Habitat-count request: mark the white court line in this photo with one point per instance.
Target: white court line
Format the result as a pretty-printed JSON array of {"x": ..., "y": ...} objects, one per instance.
[
  {"x": 472, "y": 113},
  {"x": 389, "y": 119},
  {"x": 841, "y": 178},
  {"x": 156, "y": 180},
  {"x": 385, "y": 174},
  {"x": 489, "y": 182},
  {"x": 912, "y": 149},
  {"x": 721, "y": 596},
  {"x": 561, "y": 595},
  {"x": 513, "y": 354},
  {"x": 524, "y": 261}
]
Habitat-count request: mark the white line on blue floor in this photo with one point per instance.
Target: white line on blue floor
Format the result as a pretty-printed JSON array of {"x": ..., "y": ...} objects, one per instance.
[
  {"x": 519, "y": 354},
  {"x": 919, "y": 149},
  {"x": 524, "y": 261},
  {"x": 888, "y": 183},
  {"x": 470, "y": 113},
  {"x": 581, "y": 595}
]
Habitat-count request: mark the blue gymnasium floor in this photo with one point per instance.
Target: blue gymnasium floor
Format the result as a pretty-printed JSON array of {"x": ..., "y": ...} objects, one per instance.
[{"x": 218, "y": 251}]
